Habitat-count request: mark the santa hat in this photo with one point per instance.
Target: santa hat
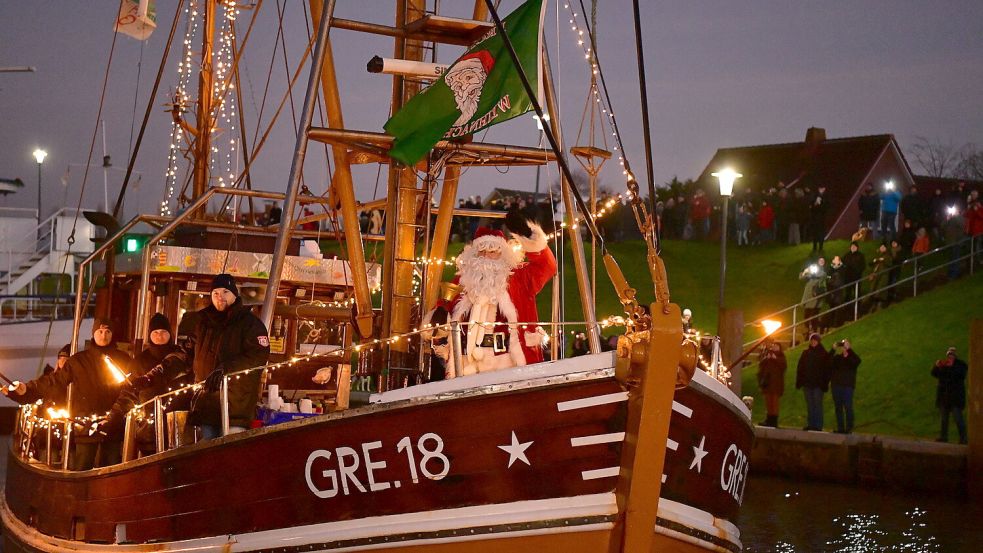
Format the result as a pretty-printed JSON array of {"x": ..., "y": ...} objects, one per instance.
[
  {"x": 489, "y": 239},
  {"x": 476, "y": 60}
]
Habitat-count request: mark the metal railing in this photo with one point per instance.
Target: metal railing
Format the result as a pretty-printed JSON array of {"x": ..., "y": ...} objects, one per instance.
[
  {"x": 921, "y": 266},
  {"x": 41, "y": 239},
  {"x": 21, "y": 309}
]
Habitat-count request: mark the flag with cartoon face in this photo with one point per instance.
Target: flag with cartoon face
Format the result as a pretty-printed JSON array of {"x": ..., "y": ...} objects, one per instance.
[{"x": 478, "y": 90}]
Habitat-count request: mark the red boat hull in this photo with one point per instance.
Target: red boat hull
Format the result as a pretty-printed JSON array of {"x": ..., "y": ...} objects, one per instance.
[{"x": 534, "y": 457}]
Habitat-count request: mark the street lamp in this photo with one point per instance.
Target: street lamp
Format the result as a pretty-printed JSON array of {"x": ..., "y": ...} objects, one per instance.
[
  {"x": 39, "y": 155},
  {"x": 726, "y": 176}
]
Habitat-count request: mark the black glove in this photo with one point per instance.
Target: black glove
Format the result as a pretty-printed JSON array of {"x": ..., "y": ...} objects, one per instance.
[
  {"x": 439, "y": 317},
  {"x": 147, "y": 380},
  {"x": 517, "y": 223},
  {"x": 214, "y": 380}
]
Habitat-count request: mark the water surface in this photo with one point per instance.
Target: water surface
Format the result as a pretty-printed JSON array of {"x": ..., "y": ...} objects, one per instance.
[{"x": 790, "y": 516}]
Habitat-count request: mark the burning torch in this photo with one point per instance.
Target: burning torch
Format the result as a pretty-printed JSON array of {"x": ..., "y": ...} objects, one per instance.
[
  {"x": 770, "y": 327},
  {"x": 118, "y": 375}
]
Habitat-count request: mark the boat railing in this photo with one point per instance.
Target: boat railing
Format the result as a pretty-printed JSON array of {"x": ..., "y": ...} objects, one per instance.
[
  {"x": 921, "y": 266},
  {"x": 22, "y": 309},
  {"x": 57, "y": 426}
]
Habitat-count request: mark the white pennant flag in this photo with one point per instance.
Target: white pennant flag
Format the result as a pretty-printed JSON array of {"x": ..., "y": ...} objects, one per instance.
[{"x": 137, "y": 19}]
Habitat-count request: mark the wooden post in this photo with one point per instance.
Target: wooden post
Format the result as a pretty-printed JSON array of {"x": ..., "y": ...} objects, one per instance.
[
  {"x": 974, "y": 409},
  {"x": 731, "y": 325},
  {"x": 651, "y": 384}
]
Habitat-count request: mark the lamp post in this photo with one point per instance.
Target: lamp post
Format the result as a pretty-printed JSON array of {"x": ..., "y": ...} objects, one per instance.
[
  {"x": 39, "y": 155},
  {"x": 726, "y": 177}
]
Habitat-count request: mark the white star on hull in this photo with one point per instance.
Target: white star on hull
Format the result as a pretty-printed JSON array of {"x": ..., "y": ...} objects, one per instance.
[
  {"x": 516, "y": 450},
  {"x": 698, "y": 454}
]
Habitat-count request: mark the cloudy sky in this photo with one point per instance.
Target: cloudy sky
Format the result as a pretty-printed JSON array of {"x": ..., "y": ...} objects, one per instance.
[{"x": 720, "y": 73}]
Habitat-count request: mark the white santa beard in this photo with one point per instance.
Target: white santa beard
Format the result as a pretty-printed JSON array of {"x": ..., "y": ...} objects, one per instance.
[
  {"x": 468, "y": 107},
  {"x": 484, "y": 279}
]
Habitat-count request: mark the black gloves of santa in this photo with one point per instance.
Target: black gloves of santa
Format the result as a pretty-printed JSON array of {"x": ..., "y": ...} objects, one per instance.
[
  {"x": 517, "y": 223},
  {"x": 214, "y": 380}
]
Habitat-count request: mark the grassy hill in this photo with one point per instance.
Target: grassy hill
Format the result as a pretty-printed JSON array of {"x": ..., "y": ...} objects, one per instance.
[
  {"x": 760, "y": 279},
  {"x": 895, "y": 389}
]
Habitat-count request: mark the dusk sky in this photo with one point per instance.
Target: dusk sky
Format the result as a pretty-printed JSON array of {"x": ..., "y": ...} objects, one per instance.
[{"x": 720, "y": 73}]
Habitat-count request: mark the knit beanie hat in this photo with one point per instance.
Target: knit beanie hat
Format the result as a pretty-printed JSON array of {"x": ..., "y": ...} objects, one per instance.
[
  {"x": 226, "y": 281},
  {"x": 159, "y": 322},
  {"x": 101, "y": 322}
]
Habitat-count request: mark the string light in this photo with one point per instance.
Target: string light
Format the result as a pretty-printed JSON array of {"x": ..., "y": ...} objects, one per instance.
[
  {"x": 30, "y": 412},
  {"x": 181, "y": 102},
  {"x": 590, "y": 57}
]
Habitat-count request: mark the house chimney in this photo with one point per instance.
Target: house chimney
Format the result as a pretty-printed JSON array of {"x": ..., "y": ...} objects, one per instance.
[{"x": 814, "y": 136}]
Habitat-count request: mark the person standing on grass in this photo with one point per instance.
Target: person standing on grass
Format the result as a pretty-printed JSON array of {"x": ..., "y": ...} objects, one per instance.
[
  {"x": 843, "y": 381},
  {"x": 950, "y": 395},
  {"x": 869, "y": 205},
  {"x": 812, "y": 377},
  {"x": 817, "y": 219},
  {"x": 815, "y": 277},
  {"x": 854, "y": 264},
  {"x": 771, "y": 380}
]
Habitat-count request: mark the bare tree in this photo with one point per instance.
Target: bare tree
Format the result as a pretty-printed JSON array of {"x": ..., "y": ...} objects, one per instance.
[
  {"x": 935, "y": 158},
  {"x": 970, "y": 164}
]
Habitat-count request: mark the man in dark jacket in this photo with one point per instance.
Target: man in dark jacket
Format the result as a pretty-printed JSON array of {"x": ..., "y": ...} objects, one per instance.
[
  {"x": 854, "y": 264},
  {"x": 157, "y": 369},
  {"x": 870, "y": 205},
  {"x": 914, "y": 208},
  {"x": 225, "y": 338},
  {"x": 950, "y": 396},
  {"x": 843, "y": 381},
  {"x": 94, "y": 390},
  {"x": 817, "y": 219},
  {"x": 771, "y": 380},
  {"x": 812, "y": 376}
]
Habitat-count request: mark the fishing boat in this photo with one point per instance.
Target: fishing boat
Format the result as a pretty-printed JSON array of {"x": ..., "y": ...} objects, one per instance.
[{"x": 637, "y": 449}]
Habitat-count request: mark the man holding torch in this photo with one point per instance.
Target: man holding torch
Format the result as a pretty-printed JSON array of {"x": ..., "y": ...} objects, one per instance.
[{"x": 96, "y": 374}]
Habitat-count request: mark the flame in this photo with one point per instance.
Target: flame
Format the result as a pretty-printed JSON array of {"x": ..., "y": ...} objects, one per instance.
[
  {"x": 55, "y": 414},
  {"x": 118, "y": 374},
  {"x": 771, "y": 326}
]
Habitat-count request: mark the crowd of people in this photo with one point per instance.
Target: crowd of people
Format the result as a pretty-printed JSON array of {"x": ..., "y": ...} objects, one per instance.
[
  {"x": 224, "y": 337},
  {"x": 835, "y": 370}
]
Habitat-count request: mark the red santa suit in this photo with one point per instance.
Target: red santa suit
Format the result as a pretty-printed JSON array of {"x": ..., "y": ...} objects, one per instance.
[{"x": 504, "y": 291}]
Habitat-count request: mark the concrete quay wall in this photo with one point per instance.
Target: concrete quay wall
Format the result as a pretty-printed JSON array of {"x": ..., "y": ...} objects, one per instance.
[{"x": 864, "y": 459}]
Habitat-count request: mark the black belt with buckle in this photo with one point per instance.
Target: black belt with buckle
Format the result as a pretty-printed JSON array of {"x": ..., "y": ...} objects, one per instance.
[{"x": 495, "y": 340}]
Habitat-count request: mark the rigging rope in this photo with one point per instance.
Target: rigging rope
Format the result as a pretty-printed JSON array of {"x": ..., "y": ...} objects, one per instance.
[
  {"x": 78, "y": 208},
  {"x": 136, "y": 95},
  {"x": 146, "y": 115}
]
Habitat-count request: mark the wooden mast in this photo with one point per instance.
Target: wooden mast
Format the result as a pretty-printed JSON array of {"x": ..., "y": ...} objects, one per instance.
[
  {"x": 343, "y": 187},
  {"x": 403, "y": 198},
  {"x": 445, "y": 212},
  {"x": 203, "y": 122}
]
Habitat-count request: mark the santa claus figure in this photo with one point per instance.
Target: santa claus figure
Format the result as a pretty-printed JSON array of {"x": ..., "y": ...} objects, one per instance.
[{"x": 499, "y": 282}]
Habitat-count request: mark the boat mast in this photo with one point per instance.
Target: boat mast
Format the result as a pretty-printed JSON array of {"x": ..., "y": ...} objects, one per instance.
[
  {"x": 203, "y": 122},
  {"x": 342, "y": 184},
  {"x": 445, "y": 211},
  {"x": 297, "y": 166},
  {"x": 402, "y": 201}
]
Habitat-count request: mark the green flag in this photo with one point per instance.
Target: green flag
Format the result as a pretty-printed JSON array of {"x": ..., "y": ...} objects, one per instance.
[{"x": 478, "y": 90}]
